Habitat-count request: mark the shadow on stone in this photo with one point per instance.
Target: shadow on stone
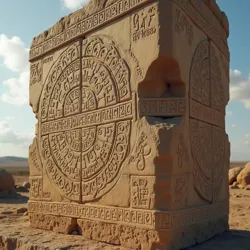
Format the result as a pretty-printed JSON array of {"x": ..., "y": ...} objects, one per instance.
[
  {"x": 232, "y": 239},
  {"x": 14, "y": 198}
]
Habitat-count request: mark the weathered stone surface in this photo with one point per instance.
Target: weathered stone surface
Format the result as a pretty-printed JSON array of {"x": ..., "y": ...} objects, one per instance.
[
  {"x": 243, "y": 177},
  {"x": 7, "y": 181},
  {"x": 130, "y": 143},
  {"x": 233, "y": 173}
]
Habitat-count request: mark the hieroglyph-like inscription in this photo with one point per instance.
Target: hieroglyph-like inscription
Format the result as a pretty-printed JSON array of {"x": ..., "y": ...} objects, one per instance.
[
  {"x": 204, "y": 25},
  {"x": 36, "y": 73},
  {"x": 144, "y": 24},
  {"x": 142, "y": 217},
  {"x": 86, "y": 112},
  {"x": 162, "y": 106},
  {"x": 140, "y": 152},
  {"x": 184, "y": 25},
  {"x": 86, "y": 25},
  {"x": 207, "y": 123},
  {"x": 141, "y": 195}
]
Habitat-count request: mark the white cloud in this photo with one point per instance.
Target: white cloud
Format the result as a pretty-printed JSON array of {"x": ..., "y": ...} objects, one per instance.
[
  {"x": 247, "y": 142},
  {"x": 17, "y": 90},
  {"x": 229, "y": 113},
  {"x": 74, "y": 4},
  {"x": 15, "y": 55},
  {"x": 233, "y": 125},
  {"x": 9, "y": 118},
  {"x": 15, "y": 58},
  {"x": 240, "y": 87},
  {"x": 7, "y": 135}
]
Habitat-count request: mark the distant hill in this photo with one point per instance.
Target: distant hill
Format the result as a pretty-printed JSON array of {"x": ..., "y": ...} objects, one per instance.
[{"x": 13, "y": 161}]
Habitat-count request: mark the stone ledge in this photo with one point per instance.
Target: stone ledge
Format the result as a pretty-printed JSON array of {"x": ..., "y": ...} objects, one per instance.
[{"x": 15, "y": 234}]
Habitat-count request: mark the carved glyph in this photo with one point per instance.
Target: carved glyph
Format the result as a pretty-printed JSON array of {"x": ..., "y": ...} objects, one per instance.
[
  {"x": 85, "y": 119},
  {"x": 207, "y": 131}
]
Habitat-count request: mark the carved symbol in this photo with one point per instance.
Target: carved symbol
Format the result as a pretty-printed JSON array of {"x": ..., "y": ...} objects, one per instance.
[
  {"x": 181, "y": 152},
  {"x": 140, "y": 193},
  {"x": 162, "y": 107},
  {"x": 85, "y": 126},
  {"x": 142, "y": 150},
  {"x": 183, "y": 24},
  {"x": 36, "y": 73},
  {"x": 36, "y": 188},
  {"x": 180, "y": 190},
  {"x": 207, "y": 139},
  {"x": 144, "y": 24}
]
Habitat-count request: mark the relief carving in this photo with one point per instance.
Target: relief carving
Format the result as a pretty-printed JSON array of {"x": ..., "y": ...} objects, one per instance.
[
  {"x": 207, "y": 131},
  {"x": 140, "y": 153},
  {"x": 184, "y": 25},
  {"x": 142, "y": 217},
  {"x": 36, "y": 73},
  {"x": 180, "y": 189},
  {"x": 35, "y": 188},
  {"x": 141, "y": 195},
  {"x": 80, "y": 23},
  {"x": 144, "y": 24},
  {"x": 182, "y": 152},
  {"x": 86, "y": 119},
  {"x": 35, "y": 164}
]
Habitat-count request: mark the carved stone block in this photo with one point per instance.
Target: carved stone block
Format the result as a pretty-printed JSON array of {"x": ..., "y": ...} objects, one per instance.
[{"x": 130, "y": 145}]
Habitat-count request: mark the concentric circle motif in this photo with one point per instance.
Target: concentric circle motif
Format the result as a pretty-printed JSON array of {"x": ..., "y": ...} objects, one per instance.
[
  {"x": 86, "y": 110},
  {"x": 207, "y": 135}
]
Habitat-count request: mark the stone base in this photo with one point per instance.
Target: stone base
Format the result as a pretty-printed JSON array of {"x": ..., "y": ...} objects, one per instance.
[{"x": 132, "y": 237}]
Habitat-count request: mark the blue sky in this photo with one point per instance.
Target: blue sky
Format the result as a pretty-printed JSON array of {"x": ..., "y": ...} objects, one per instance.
[{"x": 20, "y": 21}]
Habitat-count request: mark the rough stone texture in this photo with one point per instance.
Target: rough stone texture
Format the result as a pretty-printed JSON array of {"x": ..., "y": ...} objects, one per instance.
[
  {"x": 7, "y": 182},
  {"x": 130, "y": 143},
  {"x": 14, "y": 229},
  {"x": 233, "y": 173},
  {"x": 243, "y": 177}
]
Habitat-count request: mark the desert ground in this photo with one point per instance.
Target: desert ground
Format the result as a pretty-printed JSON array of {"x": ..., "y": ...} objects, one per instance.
[{"x": 16, "y": 234}]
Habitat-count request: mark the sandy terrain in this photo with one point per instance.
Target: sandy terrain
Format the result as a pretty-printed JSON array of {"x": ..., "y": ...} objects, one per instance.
[
  {"x": 17, "y": 227},
  {"x": 15, "y": 231}
]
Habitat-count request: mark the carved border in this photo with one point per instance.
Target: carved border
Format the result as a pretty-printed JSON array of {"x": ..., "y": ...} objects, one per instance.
[
  {"x": 204, "y": 8},
  {"x": 146, "y": 218},
  {"x": 162, "y": 106},
  {"x": 206, "y": 114},
  {"x": 201, "y": 22},
  {"x": 119, "y": 9},
  {"x": 86, "y": 25}
]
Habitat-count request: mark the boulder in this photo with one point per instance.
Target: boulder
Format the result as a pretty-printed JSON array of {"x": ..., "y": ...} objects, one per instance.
[
  {"x": 243, "y": 177},
  {"x": 26, "y": 184},
  {"x": 7, "y": 181},
  {"x": 21, "y": 210},
  {"x": 21, "y": 189},
  {"x": 233, "y": 173}
]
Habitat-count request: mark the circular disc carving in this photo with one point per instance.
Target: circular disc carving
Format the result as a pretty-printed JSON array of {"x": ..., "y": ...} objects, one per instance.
[
  {"x": 85, "y": 121},
  {"x": 207, "y": 137}
]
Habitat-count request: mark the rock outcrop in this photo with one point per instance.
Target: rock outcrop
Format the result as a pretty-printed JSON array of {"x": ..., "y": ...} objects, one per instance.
[
  {"x": 233, "y": 173},
  {"x": 7, "y": 183},
  {"x": 243, "y": 177}
]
